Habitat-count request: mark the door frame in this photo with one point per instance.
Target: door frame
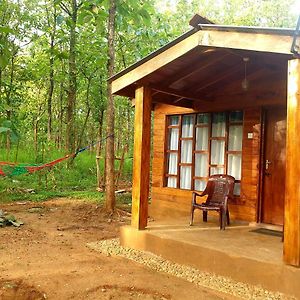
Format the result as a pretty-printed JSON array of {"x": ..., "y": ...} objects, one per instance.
[
  {"x": 261, "y": 161},
  {"x": 261, "y": 165}
]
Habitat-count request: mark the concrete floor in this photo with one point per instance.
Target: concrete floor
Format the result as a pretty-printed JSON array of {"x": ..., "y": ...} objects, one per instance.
[
  {"x": 236, "y": 252},
  {"x": 237, "y": 240}
]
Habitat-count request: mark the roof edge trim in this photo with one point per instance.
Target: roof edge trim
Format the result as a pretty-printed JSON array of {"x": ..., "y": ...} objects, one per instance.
[{"x": 249, "y": 29}]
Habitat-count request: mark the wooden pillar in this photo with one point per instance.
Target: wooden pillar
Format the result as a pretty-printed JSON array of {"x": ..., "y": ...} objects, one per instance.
[
  {"x": 141, "y": 159},
  {"x": 292, "y": 188}
]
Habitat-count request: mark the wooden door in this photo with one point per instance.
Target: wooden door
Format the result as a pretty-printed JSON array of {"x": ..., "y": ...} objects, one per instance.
[{"x": 274, "y": 166}]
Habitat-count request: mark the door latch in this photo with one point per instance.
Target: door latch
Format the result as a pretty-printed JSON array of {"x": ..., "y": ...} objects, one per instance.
[{"x": 268, "y": 162}]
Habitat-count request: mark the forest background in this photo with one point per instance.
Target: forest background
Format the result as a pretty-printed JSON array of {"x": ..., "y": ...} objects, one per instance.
[{"x": 53, "y": 81}]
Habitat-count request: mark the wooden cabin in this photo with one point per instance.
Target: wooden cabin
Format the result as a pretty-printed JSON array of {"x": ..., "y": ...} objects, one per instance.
[{"x": 225, "y": 99}]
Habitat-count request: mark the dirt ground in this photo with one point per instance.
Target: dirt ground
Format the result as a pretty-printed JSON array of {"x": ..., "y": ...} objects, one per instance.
[{"x": 47, "y": 258}]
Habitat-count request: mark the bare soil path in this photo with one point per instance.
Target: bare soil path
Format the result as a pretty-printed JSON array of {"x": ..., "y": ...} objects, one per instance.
[{"x": 47, "y": 258}]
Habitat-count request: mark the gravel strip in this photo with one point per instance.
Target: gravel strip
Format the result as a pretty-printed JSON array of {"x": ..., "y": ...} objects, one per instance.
[{"x": 204, "y": 279}]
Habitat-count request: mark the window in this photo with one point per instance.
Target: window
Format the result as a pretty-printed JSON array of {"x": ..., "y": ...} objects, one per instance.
[{"x": 199, "y": 145}]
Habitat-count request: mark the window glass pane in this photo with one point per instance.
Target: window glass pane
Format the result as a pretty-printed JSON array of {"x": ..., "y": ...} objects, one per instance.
[
  {"x": 174, "y": 120},
  {"x": 236, "y": 116},
  {"x": 235, "y": 138},
  {"x": 202, "y": 118},
  {"x": 200, "y": 185},
  {"x": 202, "y": 138},
  {"x": 218, "y": 125},
  {"x": 172, "y": 182},
  {"x": 234, "y": 165},
  {"x": 217, "y": 152},
  {"x": 172, "y": 163},
  {"x": 186, "y": 151},
  {"x": 201, "y": 163},
  {"x": 187, "y": 126},
  {"x": 237, "y": 189},
  {"x": 215, "y": 170},
  {"x": 185, "y": 177},
  {"x": 173, "y": 138}
]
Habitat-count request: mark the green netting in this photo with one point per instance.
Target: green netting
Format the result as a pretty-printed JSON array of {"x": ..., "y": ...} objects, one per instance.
[{"x": 15, "y": 170}]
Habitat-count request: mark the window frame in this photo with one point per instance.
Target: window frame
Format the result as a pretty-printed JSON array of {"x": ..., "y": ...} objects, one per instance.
[{"x": 194, "y": 151}]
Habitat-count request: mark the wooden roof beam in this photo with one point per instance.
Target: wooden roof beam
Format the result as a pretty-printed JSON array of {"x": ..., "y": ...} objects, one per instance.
[
  {"x": 220, "y": 77},
  {"x": 176, "y": 93},
  {"x": 188, "y": 72}
]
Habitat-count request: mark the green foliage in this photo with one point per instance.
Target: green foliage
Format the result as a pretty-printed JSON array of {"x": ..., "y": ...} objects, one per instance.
[
  {"x": 28, "y": 59},
  {"x": 59, "y": 181}
]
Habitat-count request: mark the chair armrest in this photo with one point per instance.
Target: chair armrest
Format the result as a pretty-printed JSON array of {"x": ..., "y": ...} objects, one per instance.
[
  {"x": 196, "y": 194},
  {"x": 200, "y": 194}
]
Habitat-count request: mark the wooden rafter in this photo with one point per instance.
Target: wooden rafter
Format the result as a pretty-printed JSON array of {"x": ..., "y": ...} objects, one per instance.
[
  {"x": 183, "y": 103},
  {"x": 235, "y": 85},
  {"x": 221, "y": 77},
  {"x": 191, "y": 70},
  {"x": 176, "y": 93}
]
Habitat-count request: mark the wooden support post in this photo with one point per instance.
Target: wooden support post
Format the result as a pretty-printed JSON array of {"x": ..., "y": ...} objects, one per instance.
[
  {"x": 292, "y": 188},
  {"x": 141, "y": 160}
]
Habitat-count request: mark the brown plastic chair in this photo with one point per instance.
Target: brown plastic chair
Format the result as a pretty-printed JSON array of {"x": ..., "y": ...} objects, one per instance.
[{"x": 219, "y": 189}]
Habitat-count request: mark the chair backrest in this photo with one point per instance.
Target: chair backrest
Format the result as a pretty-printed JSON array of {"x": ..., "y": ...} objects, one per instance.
[{"x": 219, "y": 187}]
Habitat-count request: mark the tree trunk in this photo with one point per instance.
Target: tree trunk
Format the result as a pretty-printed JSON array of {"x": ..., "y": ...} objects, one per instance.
[
  {"x": 35, "y": 137},
  {"x": 51, "y": 73},
  {"x": 89, "y": 80},
  {"x": 98, "y": 150},
  {"x": 110, "y": 115},
  {"x": 70, "y": 130},
  {"x": 49, "y": 100},
  {"x": 61, "y": 114},
  {"x": 8, "y": 103}
]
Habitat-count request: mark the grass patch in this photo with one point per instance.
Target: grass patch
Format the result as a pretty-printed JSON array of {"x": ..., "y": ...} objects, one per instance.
[{"x": 79, "y": 181}]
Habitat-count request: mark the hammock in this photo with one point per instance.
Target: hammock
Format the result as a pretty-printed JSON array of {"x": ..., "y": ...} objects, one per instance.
[
  {"x": 15, "y": 169},
  {"x": 10, "y": 169}
]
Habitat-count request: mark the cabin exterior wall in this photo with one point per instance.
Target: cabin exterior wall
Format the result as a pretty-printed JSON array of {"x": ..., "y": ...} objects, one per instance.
[{"x": 171, "y": 202}]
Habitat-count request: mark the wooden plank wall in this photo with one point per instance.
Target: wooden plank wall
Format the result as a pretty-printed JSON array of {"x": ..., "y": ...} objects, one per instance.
[{"x": 170, "y": 202}]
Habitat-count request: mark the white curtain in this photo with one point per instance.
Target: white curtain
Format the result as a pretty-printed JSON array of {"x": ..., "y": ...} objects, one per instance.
[
  {"x": 217, "y": 152},
  {"x": 219, "y": 125},
  {"x": 235, "y": 165},
  {"x": 201, "y": 163},
  {"x": 185, "y": 177},
  {"x": 216, "y": 170},
  {"x": 172, "y": 182},
  {"x": 202, "y": 138},
  {"x": 235, "y": 141},
  {"x": 186, "y": 151},
  {"x": 200, "y": 185},
  {"x": 173, "y": 157},
  {"x": 187, "y": 126},
  {"x": 173, "y": 138},
  {"x": 235, "y": 138},
  {"x": 172, "y": 169}
]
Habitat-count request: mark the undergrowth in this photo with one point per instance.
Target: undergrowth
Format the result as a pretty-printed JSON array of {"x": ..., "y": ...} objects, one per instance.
[{"x": 78, "y": 181}]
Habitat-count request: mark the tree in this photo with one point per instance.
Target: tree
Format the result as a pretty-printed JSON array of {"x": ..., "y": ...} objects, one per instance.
[{"x": 110, "y": 115}]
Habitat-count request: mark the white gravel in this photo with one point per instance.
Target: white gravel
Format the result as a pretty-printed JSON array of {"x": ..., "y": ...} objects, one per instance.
[{"x": 204, "y": 279}]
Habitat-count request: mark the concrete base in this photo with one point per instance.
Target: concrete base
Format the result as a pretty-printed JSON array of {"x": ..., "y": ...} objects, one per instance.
[{"x": 236, "y": 252}]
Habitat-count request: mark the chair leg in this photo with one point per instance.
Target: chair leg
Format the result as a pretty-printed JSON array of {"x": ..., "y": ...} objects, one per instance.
[
  {"x": 227, "y": 215},
  {"x": 204, "y": 216},
  {"x": 192, "y": 216},
  {"x": 221, "y": 219}
]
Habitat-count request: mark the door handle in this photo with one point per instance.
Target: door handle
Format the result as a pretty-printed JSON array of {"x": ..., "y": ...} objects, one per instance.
[{"x": 268, "y": 162}]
